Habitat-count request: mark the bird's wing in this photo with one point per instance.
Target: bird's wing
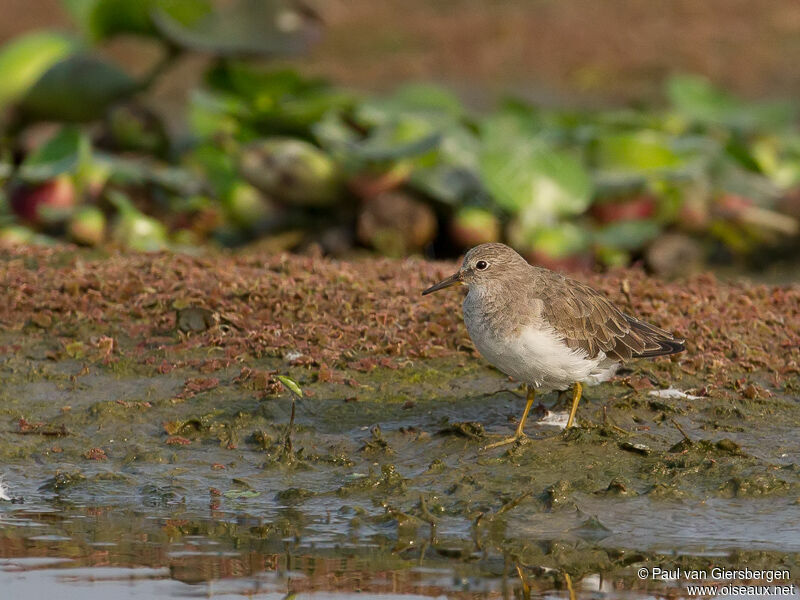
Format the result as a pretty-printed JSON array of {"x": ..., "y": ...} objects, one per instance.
[{"x": 588, "y": 321}]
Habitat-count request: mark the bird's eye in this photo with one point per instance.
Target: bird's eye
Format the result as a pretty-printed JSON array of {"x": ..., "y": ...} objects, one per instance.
[{"x": 481, "y": 265}]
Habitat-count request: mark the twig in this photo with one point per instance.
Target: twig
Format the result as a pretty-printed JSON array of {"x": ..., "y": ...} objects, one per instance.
[
  {"x": 769, "y": 219},
  {"x": 683, "y": 433},
  {"x": 512, "y": 503},
  {"x": 287, "y": 442},
  {"x": 171, "y": 55},
  {"x": 426, "y": 514}
]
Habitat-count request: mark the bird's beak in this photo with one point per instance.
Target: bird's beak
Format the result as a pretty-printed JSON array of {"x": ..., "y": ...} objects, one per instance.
[{"x": 454, "y": 279}]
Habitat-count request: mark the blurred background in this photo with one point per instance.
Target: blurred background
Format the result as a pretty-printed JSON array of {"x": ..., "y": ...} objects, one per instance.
[{"x": 585, "y": 134}]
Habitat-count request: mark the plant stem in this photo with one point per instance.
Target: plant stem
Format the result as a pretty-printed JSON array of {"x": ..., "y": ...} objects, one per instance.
[{"x": 171, "y": 54}]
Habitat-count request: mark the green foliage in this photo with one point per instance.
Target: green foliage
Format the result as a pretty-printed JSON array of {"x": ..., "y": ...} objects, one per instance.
[
  {"x": 101, "y": 20},
  {"x": 627, "y": 235},
  {"x": 241, "y": 494},
  {"x": 245, "y": 102},
  {"x": 291, "y": 385},
  {"x": 528, "y": 175},
  {"x": 696, "y": 99},
  {"x": 247, "y": 27},
  {"x": 557, "y": 241},
  {"x": 79, "y": 88},
  {"x": 425, "y": 102},
  {"x": 292, "y": 170},
  {"x": 6, "y": 167},
  {"x": 135, "y": 230},
  {"x": 63, "y": 153},
  {"x": 272, "y": 151},
  {"x": 23, "y": 60}
]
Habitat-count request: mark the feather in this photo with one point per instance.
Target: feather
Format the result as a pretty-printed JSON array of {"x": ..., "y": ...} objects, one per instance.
[{"x": 588, "y": 321}]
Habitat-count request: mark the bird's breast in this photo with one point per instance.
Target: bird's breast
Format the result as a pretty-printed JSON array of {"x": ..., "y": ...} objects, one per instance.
[{"x": 528, "y": 351}]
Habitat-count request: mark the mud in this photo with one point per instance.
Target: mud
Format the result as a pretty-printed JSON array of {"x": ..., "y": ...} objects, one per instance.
[{"x": 131, "y": 439}]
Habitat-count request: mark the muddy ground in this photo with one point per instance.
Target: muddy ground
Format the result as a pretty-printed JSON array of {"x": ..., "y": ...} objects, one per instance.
[{"x": 140, "y": 402}]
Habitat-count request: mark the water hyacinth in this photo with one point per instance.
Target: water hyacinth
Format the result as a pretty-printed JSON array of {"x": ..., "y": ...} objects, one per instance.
[
  {"x": 135, "y": 230},
  {"x": 471, "y": 226},
  {"x": 291, "y": 171},
  {"x": 45, "y": 203},
  {"x": 87, "y": 226},
  {"x": 282, "y": 155}
]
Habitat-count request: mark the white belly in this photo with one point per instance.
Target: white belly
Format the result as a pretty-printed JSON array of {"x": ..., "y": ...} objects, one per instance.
[{"x": 538, "y": 357}]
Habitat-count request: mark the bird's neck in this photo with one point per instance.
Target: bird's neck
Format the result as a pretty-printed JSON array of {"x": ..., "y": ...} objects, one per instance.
[{"x": 489, "y": 305}]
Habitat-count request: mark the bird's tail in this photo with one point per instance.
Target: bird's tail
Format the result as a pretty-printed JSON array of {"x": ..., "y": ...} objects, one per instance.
[{"x": 658, "y": 342}]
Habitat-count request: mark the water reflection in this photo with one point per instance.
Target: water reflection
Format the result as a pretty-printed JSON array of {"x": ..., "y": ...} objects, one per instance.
[{"x": 100, "y": 552}]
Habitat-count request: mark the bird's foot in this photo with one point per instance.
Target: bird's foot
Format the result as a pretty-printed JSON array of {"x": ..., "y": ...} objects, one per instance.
[{"x": 517, "y": 437}]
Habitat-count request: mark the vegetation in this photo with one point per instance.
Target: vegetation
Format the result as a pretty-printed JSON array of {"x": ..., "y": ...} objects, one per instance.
[{"x": 271, "y": 153}]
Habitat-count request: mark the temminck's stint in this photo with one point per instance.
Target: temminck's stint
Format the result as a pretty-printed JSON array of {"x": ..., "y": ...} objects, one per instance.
[{"x": 545, "y": 329}]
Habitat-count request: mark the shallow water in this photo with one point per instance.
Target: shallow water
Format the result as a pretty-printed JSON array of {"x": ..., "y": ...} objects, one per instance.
[{"x": 172, "y": 552}]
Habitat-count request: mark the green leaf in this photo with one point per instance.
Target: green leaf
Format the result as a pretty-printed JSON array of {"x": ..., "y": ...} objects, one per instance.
[
  {"x": 291, "y": 385},
  {"x": 135, "y": 230},
  {"x": 218, "y": 167},
  {"x": 292, "y": 171},
  {"x": 24, "y": 59},
  {"x": 557, "y": 241},
  {"x": 77, "y": 89},
  {"x": 63, "y": 153},
  {"x": 528, "y": 177},
  {"x": 334, "y": 134},
  {"x": 460, "y": 147},
  {"x": 6, "y": 168},
  {"x": 248, "y": 27},
  {"x": 426, "y": 97},
  {"x": 139, "y": 171},
  {"x": 731, "y": 178},
  {"x": 103, "y": 19},
  {"x": 628, "y": 235},
  {"x": 514, "y": 122},
  {"x": 696, "y": 98},
  {"x": 778, "y": 158},
  {"x": 239, "y": 494},
  {"x": 217, "y": 114},
  {"x": 389, "y": 144},
  {"x": 431, "y": 103},
  {"x": 638, "y": 151},
  {"x": 75, "y": 349},
  {"x": 80, "y": 11},
  {"x": 412, "y": 124},
  {"x": 277, "y": 101},
  {"x": 453, "y": 177},
  {"x": 16, "y": 235},
  {"x": 449, "y": 184}
]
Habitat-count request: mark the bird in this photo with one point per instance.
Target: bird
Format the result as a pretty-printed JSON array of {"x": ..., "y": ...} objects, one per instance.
[{"x": 545, "y": 329}]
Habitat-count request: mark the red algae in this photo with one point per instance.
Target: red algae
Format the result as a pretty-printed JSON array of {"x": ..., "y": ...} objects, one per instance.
[{"x": 355, "y": 315}]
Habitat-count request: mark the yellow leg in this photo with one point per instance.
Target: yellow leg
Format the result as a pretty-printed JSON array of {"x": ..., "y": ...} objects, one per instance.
[
  {"x": 521, "y": 427},
  {"x": 526, "y": 588},
  {"x": 569, "y": 586},
  {"x": 520, "y": 433},
  {"x": 576, "y": 397}
]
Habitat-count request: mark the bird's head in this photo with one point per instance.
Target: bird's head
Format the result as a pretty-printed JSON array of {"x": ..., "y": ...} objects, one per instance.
[{"x": 484, "y": 266}]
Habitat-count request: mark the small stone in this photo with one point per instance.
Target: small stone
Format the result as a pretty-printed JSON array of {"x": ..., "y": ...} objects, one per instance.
[{"x": 195, "y": 319}]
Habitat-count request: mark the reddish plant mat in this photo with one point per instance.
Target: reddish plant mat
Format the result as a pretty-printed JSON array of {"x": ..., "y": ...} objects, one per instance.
[{"x": 334, "y": 316}]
